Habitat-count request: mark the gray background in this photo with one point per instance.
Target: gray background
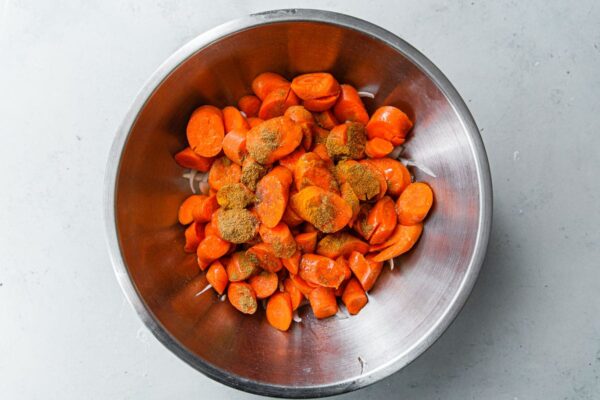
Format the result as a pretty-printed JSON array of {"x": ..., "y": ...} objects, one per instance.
[{"x": 529, "y": 71}]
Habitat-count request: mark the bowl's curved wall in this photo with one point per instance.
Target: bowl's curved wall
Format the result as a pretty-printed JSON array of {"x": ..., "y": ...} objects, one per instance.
[{"x": 408, "y": 308}]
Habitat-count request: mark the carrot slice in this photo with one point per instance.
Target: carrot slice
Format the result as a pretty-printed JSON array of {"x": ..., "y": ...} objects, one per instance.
[
  {"x": 290, "y": 218},
  {"x": 254, "y": 121},
  {"x": 252, "y": 172},
  {"x": 378, "y": 148},
  {"x": 280, "y": 238},
  {"x": 302, "y": 285},
  {"x": 354, "y": 296},
  {"x": 266, "y": 82},
  {"x": 341, "y": 244},
  {"x": 193, "y": 235},
  {"x": 185, "y": 215},
  {"x": 366, "y": 270},
  {"x": 362, "y": 178},
  {"x": 217, "y": 276},
  {"x": 378, "y": 176},
  {"x": 351, "y": 199},
  {"x": 349, "y": 106},
  {"x": 311, "y": 170},
  {"x": 315, "y": 85},
  {"x": 187, "y": 158},
  {"x": 237, "y": 225},
  {"x": 277, "y": 102},
  {"x": 263, "y": 254},
  {"x": 205, "y": 131},
  {"x": 279, "y": 311},
  {"x": 323, "y": 303},
  {"x": 296, "y": 295},
  {"x": 291, "y": 159},
  {"x": 241, "y": 266},
  {"x": 404, "y": 238},
  {"x": 223, "y": 172},
  {"x": 307, "y": 242},
  {"x": 347, "y": 141},
  {"x": 414, "y": 203},
  {"x": 344, "y": 264},
  {"x": 320, "y": 104},
  {"x": 204, "y": 209},
  {"x": 305, "y": 119},
  {"x": 389, "y": 123},
  {"x": 272, "y": 193},
  {"x": 292, "y": 263},
  {"x": 250, "y": 105},
  {"x": 326, "y": 119},
  {"x": 234, "y": 196},
  {"x": 396, "y": 174},
  {"x": 212, "y": 247},
  {"x": 234, "y": 145},
  {"x": 382, "y": 219},
  {"x": 264, "y": 284},
  {"x": 273, "y": 139},
  {"x": 321, "y": 270},
  {"x": 327, "y": 211},
  {"x": 242, "y": 297},
  {"x": 234, "y": 120}
]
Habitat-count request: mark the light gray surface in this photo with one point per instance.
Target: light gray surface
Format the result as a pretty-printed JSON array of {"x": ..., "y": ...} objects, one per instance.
[{"x": 530, "y": 330}]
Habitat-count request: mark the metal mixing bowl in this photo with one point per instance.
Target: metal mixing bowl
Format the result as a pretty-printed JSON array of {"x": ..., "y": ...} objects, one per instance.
[{"x": 409, "y": 307}]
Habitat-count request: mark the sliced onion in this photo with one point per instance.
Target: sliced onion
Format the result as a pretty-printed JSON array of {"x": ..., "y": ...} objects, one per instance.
[
  {"x": 204, "y": 187},
  {"x": 191, "y": 176},
  {"x": 422, "y": 167},
  {"x": 397, "y": 152},
  {"x": 366, "y": 94},
  {"x": 203, "y": 290},
  {"x": 223, "y": 297},
  {"x": 296, "y": 317},
  {"x": 391, "y": 260},
  {"x": 243, "y": 114},
  {"x": 342, "y": 313}
]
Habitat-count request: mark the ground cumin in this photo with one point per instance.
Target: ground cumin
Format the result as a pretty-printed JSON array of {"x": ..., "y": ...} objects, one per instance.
[
  {"x": 362, "y": 180},
  {"x": 252, "y": 173},
  {"x": 269, "y": 142},
  {"x": 321, "y": 215},
  {"x": 282, "y": 250},
  {"x": 237, "y": 225},
  {"x": 354, "y": 147},
  {"x": 234, "y": 196},
  {"x": 247, "y": 266}
]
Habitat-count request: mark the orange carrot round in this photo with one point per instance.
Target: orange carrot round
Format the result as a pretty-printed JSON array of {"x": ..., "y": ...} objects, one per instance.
[
  {"x": 321, "y": 270},
  {"x": 302, "y": 285},
  {"x": 273, "y": 139},
  {"x": 187, "y": 158},
  {"x": 315, "y": 85},
  {"x": 242, "y": 297},
  {"x": 323, "y": 302},
  {"x": 280, "y": 238},
  {"x": 241, "y": 266},
  {"x": 193, "y": 237},
  {"x": 389, "y": 123},
  {"x": 234, "y": 145},
  {"x": 211, "y": 248},
  {"x": 292, "y": 263},
  {"x": 277, "y": 102},
  {"x": 307, "y": 242},
  {"x": 205, "y": 131},
  {"x": 378, "y": 148},
  {"x": 233, "y": 119},
  {"x": 347, "y": 141},
  {"x": 341, "y": 244},
  {"x": 311, "y": 170},
  {"x": 366, "y": 270},
  {"x": 264, "y": 284},
  {"x": 296, "y": 295},
  {"x": 349, "y": 106},
  {"x": 354, "y": 296},
  {"x": 320, "y": 104},
  {"x": 217, "y": 276},
  {"x": 396, "y": 174},
  {"x": 401, "y": 241},
  {"x": 204, "y": 209},
  {"x": 272, "y": 194},
  {"x": 185, "y": 215},
  {"x": 381, "y": 218},
  {"x": 414, "y": 203},
  {"x": 250, "y": 105},
  {"x": 279, "y": 311},
  {"x": 291, "y": 159},
  {"x": 266, "y": 82},
  {"x": 327, "y": 211},
  {"x": 264, "y": 256},
  {"x": 223, "y": 172}
]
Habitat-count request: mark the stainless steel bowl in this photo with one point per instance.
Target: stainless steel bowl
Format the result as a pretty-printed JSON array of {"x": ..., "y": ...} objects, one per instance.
[{"x": 409, "y": 307}]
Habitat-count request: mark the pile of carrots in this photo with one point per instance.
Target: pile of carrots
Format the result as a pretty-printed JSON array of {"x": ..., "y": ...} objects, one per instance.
[{"x": 304, "y": 201}]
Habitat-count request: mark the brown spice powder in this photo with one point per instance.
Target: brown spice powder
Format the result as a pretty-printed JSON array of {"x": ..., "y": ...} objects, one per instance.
[
  {"x": 237, "y": 225},
  {"x": 251, "y": 174},
  {"x": 364, "y": 184},
  {"x": 234, "y": 196}
]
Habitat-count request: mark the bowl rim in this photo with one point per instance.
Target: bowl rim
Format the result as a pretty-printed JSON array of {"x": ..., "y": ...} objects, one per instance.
[{"x": 427, "y": 67}]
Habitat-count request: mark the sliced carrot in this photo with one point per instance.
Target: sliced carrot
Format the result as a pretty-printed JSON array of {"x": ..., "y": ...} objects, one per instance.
[
  {"x": 292, "y": 263},
  {"x": 304, "y": 118},
  {"x": 187, "y": 158},
  {"x": 296, "y": 295},
  {"x": 366, "y": 270},
  {"x": 290, "y": 217},
  {"x": 266, "y": 82},
  {"x": 361, "y": 224},
  {"x": 341, "y": 244},
  {"x": 382, "y": 218},
  {"x": 347, "y": 141},
  {"x": 234, "y": 120},
  {"x": 403, "y": 239},
  {"x": 252, "y": 172},
  {"x": 254, "y": 121},
  {"x": 327, "y": 211},
  {"x": 273, "y": 139},
  {"x": 264, "y": 284},
  {"x": 389, "y": 123},
  {"x": 307, "y": 242},
  {"x": 204, "y": 209},
  {"x": 378, "y": 148},
  {"x": 237, "y": 225},
  {"x": 212, "y": 247},
  {"x": 272, "y": 193},
  {"x": 349, "y": 106},
  {"x": 241, "y": 266},
  {"x": 396, "y": 174},
  {"x": 263, "y": 254},
  {"x": 321, "y": 150},
  {"x": 277, "y": 102},
  {"x": 323, "y": 302},
  {"x": 321, "y": 270},
  {"x": 302, "y": 285},
  {"x": 311, "y": 170},
  {"x": 280, "y": 238},
  {"x": 354, "y": 296},
  {"x": 315, "y": 85},
  {"x": 234, "y": 145},
  {"x": 249, "y": 105},
  {"x": 205, "y": 131},
  {"x": 414, "y": 203},
  {"x": 326, "y": 119},
  {"x": 185, "y": 215},
  {"x": 320, "y": 104},
  {"x": 320, "y": 135},
  {"x": 291, "y": 159},
  {"x": 344, "y": 264},
  {"x": 223, "y": 172},
  {"x": 234, "y": 196},
  {"x": 279, "y": 311},
  {"x": 193, "y": 236},
  {"x": 378, "y": 175},
  {"x": 362, "y": 178},
  {"x": 242, "y": 297},
  {"x": 351, "y": 199},
  {"x": 217, "y": 276}
]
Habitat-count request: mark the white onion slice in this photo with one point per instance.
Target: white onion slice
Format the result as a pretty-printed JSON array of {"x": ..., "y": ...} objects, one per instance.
[
  {"x": 223, "y": 297},
  {"x": 366, "y": 94},
  {"x": 204, "y": 187},
  {"x": 203, "y": 290},
  {"x": 191, "y": 176},
  {"x": 296, "y": 317},
  {"x": 243, "y": 114},
  {"x": 391, "y": 260},
  {"x": 422, "y": 167}
]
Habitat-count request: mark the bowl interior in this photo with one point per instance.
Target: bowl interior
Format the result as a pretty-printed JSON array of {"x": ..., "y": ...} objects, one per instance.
[{"x": 406, "y": 303}]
